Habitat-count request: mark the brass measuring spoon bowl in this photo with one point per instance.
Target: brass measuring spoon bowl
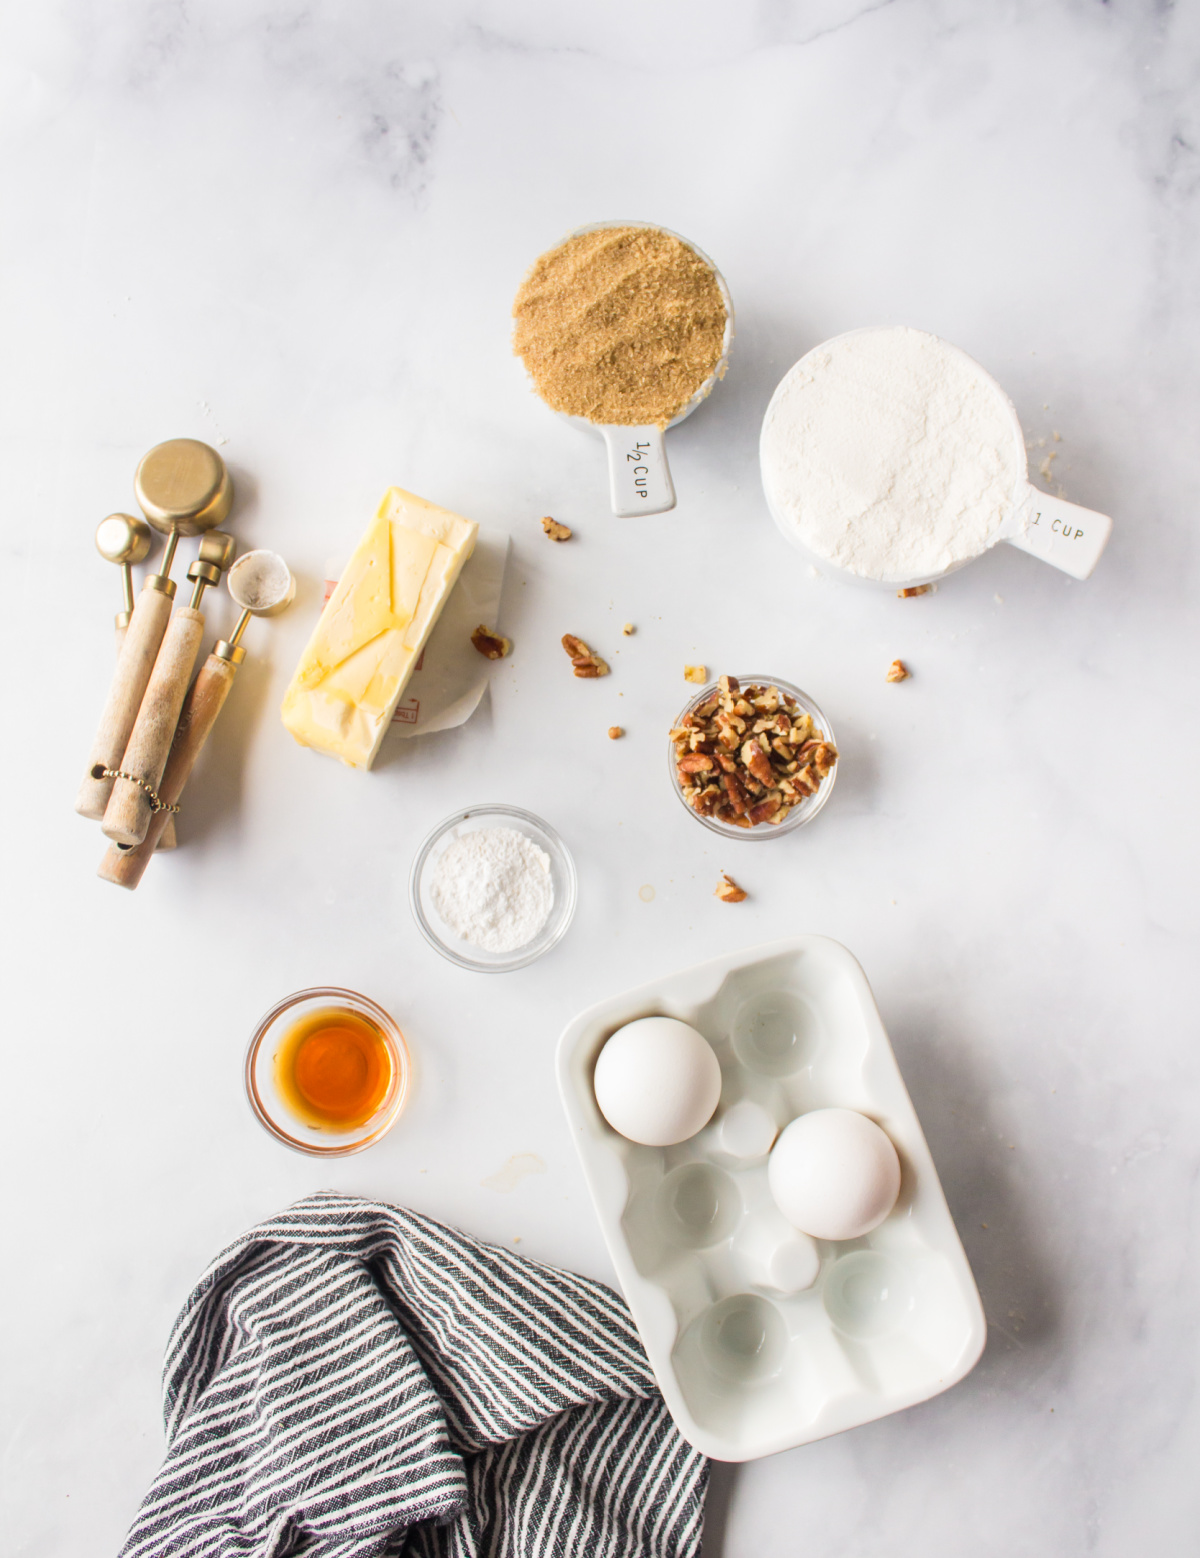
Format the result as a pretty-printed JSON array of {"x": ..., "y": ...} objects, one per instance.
[
  {"x": 183, "y": 485},
  {"x": 124, "y": 540},
  {"x": 263, "y": 585},
  {"x": 214, "y": 557},
  {"x": 184, "y": 489}
]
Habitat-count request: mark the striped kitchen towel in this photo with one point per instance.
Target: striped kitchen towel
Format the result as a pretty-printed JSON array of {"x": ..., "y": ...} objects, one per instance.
[{"x": 353, "y": 1379}]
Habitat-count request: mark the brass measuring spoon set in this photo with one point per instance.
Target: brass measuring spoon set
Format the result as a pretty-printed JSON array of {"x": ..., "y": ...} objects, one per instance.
[{"x": 154, "y": 723}]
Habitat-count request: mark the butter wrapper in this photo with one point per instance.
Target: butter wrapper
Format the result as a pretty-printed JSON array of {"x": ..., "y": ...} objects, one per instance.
[{"x": 451, "y": 676}]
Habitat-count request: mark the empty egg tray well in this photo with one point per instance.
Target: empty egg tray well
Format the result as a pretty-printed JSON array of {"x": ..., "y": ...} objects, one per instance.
[{"x": 761, "y": 1338}]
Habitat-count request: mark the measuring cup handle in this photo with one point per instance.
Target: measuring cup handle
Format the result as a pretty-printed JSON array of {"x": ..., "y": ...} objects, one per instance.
[
  {"x": 134, "y": 667},
  {"x": 127, "y": 815},
  {"x": 205, "y": 700},
  {"x": 1060, "y": 533},
  {"x": 168, "y": 839},
  {"x": 639, "y": 478}
]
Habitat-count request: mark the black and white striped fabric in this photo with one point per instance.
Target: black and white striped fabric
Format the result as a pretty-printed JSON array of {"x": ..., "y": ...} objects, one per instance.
[{"x": 351, "y": 1379}]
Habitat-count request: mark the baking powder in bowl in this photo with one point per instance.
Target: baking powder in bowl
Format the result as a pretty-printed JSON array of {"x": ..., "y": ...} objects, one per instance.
[
  {"x": 493, "y": 888},
  {"x": 891, "y": 454}
]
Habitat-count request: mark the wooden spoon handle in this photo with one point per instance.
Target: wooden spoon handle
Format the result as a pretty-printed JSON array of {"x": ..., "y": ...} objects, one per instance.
[
  {"x": 205, "y": 700},
  {"x": 127, "y": 815},
  {"x": 143, "y": 638},
  {"x": 169, "y": 840}
]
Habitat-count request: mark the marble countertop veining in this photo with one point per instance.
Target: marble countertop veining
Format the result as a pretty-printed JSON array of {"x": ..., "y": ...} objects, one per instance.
[{"x": 294, "y": 228}]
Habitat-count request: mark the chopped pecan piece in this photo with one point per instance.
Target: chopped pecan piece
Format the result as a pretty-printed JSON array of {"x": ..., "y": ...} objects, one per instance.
[
  {"x": 555, "y": 531},
  {"x": 728, "y": 890},
  {"x": 695, "y": 673},
  {"x": 766, "y": 808},
  {"x": 629, "y": 630},
  {"x": 824, "y": 758},
  {"x": 736, "y": 792},
  {"x": 898, "y": 672},
  {"x": 583, "y": 661},
  {"x": 757, "y": 761},
  {"x": 913, "y": 589},
  {"x": 490, "y": 645},
  {"x": 696, "y": 763}
]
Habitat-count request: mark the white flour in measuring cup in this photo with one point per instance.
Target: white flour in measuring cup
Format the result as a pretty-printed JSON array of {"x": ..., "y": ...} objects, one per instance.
[{"x": 891, "y": 454}]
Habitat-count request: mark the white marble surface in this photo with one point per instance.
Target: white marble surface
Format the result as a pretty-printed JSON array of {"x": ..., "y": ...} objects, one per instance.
[{"x": 295, "y": 228}]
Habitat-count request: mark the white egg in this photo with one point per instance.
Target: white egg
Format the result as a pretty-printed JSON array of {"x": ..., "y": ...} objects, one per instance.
[
  {"x": 657, "y": 1081},
  {"x": 834, "y": 1174}
]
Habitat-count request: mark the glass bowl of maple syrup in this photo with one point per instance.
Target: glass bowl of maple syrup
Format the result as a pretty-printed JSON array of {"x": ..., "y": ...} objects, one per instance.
[{"x": 327, "y": 1072}]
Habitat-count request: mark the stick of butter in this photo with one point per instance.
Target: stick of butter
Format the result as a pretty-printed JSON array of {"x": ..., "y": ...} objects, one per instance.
[{"x": 374, "y": 627}]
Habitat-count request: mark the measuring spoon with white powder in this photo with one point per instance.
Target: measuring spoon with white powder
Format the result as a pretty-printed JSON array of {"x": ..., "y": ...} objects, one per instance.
[{"x": 892, "y": 457}]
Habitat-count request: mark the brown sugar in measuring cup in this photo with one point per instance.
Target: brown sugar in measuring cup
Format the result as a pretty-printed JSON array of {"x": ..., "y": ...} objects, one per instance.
[{"x": 624, "y": 328}]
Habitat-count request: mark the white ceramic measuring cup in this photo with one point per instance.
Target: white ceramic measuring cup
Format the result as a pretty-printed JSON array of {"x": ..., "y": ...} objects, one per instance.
[
  {"x": 1063, "y": 534},
  {"x": 639, "y": 477}
]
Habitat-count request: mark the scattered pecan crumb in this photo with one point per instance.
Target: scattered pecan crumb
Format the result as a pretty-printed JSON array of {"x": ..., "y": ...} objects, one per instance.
[
  {"x": 615, "y": 732},
  {"x": 898, "y": 671},
  {"x": 583, "y": 661},
  {"x": 555, "y": 531},
  {"x": 490, "y": 645},
  {"x": 916, "y": 589},
  {"x": 728, "y": 890},
  {"x": 628, "y": 630},
  {"x": 695, "y": 673},
  {"x": 745, "y": 756}
]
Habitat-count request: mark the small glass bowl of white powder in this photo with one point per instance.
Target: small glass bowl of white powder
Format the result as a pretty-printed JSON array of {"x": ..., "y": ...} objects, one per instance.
[{"x": 493, "y": 888}]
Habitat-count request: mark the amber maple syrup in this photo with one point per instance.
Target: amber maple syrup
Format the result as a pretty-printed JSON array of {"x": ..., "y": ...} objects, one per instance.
[{"x": 333, "y": 1069}]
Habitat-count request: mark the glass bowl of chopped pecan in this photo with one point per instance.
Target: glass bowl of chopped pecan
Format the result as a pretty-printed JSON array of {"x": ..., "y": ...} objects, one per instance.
[{"x": 752, "y": 757}]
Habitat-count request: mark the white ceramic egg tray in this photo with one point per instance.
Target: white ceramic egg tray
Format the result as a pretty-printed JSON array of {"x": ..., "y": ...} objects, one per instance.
[{"x": 706, "y": 1262}]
